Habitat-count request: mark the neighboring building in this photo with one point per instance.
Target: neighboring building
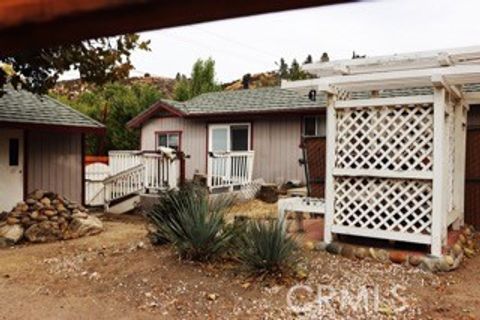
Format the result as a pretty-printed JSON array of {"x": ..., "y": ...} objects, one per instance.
[
  {"x": 268, "y": 121},
  {"x": 41, "y": 147}
]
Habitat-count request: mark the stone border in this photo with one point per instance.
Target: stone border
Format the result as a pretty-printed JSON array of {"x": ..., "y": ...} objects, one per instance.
[{"x": 466, "y": 246}]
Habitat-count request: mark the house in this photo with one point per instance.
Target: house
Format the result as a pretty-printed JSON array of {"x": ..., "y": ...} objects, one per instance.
[
  {"x": 41, "y": 147},
  {"x": 401, "y": 144},
  {"x": 249, "y": 134}
]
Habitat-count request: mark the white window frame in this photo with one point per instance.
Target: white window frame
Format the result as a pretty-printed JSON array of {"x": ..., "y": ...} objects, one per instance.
[
  {"x": 228, "y": 126},
  {"x": 168, "y": 133}
]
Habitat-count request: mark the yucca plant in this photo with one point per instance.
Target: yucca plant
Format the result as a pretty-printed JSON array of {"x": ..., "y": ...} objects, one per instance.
[
  {"x": 194, "y": 224},
  {"x": 164, "y": 211},
  {"x": 266, "y": 248}
]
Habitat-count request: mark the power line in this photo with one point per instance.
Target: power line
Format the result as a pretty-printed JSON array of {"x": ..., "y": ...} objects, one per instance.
[
  {"x": 201, "y": 44},
  {"x": 248, "y": 46}
]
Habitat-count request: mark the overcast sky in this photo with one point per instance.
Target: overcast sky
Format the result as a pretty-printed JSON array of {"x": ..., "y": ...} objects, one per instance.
[{"x": 253, "y": 44}]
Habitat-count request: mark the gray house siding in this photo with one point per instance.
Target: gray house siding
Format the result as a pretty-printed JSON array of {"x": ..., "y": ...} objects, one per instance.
[
  {"x": 54, "y": 163},
  {"x": 275, "y": 142}
]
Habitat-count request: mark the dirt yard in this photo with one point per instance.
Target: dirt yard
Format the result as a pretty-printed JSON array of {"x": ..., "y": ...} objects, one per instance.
[{"x": 119, "y": 275}]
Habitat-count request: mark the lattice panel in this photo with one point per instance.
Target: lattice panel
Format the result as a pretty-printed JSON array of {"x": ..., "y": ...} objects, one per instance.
[
  {"x": 383, "y": 204},
  {"x": 385, "y": 138}
]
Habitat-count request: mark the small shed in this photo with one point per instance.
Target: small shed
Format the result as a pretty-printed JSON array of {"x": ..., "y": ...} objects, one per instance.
[
  {"x": 396, "y": 132},
  {"x": 41, "y": 147}
]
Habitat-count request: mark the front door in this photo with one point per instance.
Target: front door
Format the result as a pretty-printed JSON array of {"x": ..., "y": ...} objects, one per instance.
[{"x": 11, "y": 168}]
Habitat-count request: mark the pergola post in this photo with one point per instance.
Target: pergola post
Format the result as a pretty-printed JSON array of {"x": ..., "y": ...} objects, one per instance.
[
  {"x": 439, "y": 154},
  {"x": 460, "y": 157},
  {"x": 330, "y": 163}
]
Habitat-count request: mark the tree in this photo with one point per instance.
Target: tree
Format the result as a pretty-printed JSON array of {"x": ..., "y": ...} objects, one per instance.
[
  {"x": 114, "y": 105},
  {"x": 308, "y": 60},
  {"x": 292, "y": 72},
  {"x": 202, "y": 80},
  {"x": 99, "y": 61},
  {"x": 283, "y": 69},
  {"x": 324, "y": 57},
  {"x": 246, "y": 80}
]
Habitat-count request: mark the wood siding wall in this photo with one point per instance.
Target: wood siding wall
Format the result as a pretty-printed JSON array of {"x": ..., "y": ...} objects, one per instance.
[
  {"x": 193, "y": 140},
  {"x": 55, "y": 163},
  {"x": 275, "y": 142}
]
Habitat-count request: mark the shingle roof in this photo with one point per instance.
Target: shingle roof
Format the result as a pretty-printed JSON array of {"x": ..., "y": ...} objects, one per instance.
[
  {"x": 252, "y": 100},
  {"x": 21, "y": 106}
]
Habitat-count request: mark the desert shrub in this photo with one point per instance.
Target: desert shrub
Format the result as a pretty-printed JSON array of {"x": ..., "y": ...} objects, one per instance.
[
  {"x": 164, "y": 211},
  {"x": 193, "y": 223},
  {"x": 266, "y": 248}
]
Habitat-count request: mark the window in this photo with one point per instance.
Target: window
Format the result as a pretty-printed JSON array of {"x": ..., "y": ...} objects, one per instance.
[
  {"x": 229, "y": 137},
  {"x": 13, "y": 152},
  {"x": 169, "y": 140},
  {"x": 314, "y": 126},
  {"x": 239, "y": 138}
]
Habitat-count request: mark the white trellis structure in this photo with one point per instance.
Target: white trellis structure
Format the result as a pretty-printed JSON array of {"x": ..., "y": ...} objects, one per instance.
[{"x": 396, "y": 131}]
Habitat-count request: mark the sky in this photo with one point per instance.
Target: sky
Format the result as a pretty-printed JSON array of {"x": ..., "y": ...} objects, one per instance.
[{"x": 253, "y": 44}]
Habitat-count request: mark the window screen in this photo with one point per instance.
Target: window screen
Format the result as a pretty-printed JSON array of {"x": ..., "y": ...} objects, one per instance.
[
  {"x": 239, "y": 138},
  {"x": 13, "y": 152},
  {"x": 309, "y": 126},
  {"x": 314, "y": 126}
]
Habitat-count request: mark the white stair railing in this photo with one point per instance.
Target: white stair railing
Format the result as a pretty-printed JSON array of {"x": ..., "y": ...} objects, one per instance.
[
  {"x": 125, "y": 183},
  {"x": 121, "y": 160},
  {"x": 230, "y": 169}
]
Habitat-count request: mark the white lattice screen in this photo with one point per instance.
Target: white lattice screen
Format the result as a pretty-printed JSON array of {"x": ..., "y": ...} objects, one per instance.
[
  {"x": 385, "y": 138},
  {"x": 391, "y": 167},
  {"x": 383, "y": 170},
  {"x": 393, "y": 205}
]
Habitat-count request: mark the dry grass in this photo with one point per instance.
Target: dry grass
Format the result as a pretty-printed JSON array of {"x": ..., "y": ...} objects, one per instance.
[{"x": 253, "y": 209}]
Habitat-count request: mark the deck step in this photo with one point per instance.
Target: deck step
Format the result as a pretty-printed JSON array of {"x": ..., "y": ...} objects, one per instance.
[{"x": 126, "y": 204}]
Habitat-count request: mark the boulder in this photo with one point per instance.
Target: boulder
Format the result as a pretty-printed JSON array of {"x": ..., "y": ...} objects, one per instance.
[
  {"x": 80, "y": 227},
  {"x": 45, "y": 231},
  {"x": 10, "y": 234}
]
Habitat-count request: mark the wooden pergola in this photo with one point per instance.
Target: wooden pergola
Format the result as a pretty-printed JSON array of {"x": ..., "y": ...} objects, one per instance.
[{"x": 396, "y": 132}]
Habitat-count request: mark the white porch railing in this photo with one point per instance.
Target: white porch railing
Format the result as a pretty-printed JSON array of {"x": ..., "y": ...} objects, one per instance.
[
  {"x": 130, "y": 172},
  {"x": 124, "y": 183},
  {"x": 122, "y": 160},
  {"x": 230, "y": 169}
]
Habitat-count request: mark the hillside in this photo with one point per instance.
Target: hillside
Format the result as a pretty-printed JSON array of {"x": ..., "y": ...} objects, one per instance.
[{"x": 72, "y": 88}]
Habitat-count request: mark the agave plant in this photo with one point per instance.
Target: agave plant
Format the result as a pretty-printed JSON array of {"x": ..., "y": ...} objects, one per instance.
[
  {"x": 266, "y": 248},
  {"x": 193, "y": 223}
]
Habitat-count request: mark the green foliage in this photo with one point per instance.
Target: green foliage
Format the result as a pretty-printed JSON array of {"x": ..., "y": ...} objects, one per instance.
[
  {"x": 266, "y": 248},
  {"x": 283, "y": 69},
  {"x": 294, "y": 72},
  {"x": 202, "y": 80},
  {"x": 114, "y": 105},
  {"x": 194, "y": 224},
  {"x": 99, "y": 61}
]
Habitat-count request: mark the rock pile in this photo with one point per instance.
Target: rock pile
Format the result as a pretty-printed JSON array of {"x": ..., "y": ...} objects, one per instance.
[{"x": 45, "y": 217}]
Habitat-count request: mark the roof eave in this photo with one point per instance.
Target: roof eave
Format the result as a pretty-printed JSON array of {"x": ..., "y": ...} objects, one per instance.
[
  {"x": 96, "y": 130},
  {"x": 143, "y": 117},
  {"x": 256, "y": 112}
]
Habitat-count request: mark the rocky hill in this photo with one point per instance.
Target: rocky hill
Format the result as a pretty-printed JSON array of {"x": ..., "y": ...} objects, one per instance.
[
  {"x": 258, "y": 80},
  {"x": 72, "y": 88}
]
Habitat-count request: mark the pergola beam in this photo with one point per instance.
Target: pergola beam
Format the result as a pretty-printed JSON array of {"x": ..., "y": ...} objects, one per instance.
[
  {"x": 409, "y": 61},
  {"x": 448, "y": 77}
]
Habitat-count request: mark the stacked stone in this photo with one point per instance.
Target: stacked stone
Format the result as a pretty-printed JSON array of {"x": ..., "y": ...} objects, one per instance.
[{"x": 44, "y": 217}]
